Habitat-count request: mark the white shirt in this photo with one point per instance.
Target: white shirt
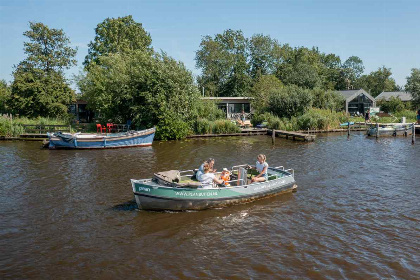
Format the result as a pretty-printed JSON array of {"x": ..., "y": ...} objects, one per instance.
[
  {"x": 206, "y": 180},
  {"x": 260, "y": 167}
]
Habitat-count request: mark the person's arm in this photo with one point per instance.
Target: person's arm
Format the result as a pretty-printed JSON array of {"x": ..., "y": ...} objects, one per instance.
[{"x": 217, "y": 181}]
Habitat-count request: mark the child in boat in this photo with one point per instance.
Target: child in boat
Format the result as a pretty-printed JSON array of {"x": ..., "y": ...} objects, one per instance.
[
  {"x": 208, "y": 178},
  {"x": 262, "y": 166},
  {"x": 225, "y": 176}
]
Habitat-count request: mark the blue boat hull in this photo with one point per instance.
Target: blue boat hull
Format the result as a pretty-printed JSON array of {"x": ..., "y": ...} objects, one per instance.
[{"x": 94, "y": 141}]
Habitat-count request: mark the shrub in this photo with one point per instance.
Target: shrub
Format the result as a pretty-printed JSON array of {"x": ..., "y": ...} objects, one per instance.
[
  {"x": 224, "y": 126},
  {"x": 202, "y": 126},
  {"x": 290, "y": 101}
]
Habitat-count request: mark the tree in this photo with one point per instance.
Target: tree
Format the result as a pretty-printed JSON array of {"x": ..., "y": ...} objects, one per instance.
[
  {"x": 223, "y": 60},
  {"x": 377, "y": 81},
  {"x": 261, "y": 91},
  {"x": 39, "y": 87},
  {"x": 263, "y": 54},
  {"x": 413, "y": 85},
  {"x": 352, "y": 71},
  {"x": 118, "y": 35},
  {"x": 5, "y": 93},
  {"x": 149, "y": 90}
]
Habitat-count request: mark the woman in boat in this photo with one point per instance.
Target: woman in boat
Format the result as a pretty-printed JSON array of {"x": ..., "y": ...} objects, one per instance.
[
  {"x": 210, "y": 162},
  {"x": 262, "y": 166},
  {"x": 208, "y": 178}
]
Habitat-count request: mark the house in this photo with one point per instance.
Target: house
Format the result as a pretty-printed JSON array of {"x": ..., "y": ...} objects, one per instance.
[
  {"x": 78, "y": 109},
  {"x": 233, "y": 106},
  {"x": 402, "y": 95},
  {"x": 357, "y": 101}
]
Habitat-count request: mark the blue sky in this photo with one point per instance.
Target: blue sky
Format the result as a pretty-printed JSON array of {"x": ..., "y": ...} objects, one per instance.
[{"x": 379, "y": 32}]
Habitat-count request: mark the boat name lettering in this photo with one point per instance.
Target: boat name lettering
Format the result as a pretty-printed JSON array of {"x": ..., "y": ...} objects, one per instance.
[
  {"x": 199, "y": 194},
  {"x": 144, "y": 189}
]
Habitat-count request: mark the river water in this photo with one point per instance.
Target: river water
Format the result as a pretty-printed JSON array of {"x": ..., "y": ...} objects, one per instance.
[{"x": 70, "y": 214}]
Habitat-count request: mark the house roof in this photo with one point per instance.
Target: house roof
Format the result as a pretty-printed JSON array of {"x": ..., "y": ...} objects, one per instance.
[
  {"x": 386, "y": 95},
  {"x": 349, "y": 95}
]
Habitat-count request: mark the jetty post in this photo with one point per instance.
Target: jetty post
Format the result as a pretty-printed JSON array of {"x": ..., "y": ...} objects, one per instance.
[
  {"x": 348, "y": 127},
  {"x": 273, "y": 135},
  {"x": 413, "y": 134},
  {"x": 377, "y": 130}
]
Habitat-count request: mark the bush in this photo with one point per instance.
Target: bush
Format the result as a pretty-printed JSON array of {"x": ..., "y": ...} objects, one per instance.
[
  {"x": 320, "y": 119},
  {"x": 202, "y": 126},
  {"x": 290, "y": 101},
  {"x": 224, "y": 126}
]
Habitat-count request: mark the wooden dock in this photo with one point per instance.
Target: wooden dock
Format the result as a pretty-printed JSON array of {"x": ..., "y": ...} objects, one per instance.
[
  {"x": 244, "y": 132},
  {"x": 293, "y": 135}
]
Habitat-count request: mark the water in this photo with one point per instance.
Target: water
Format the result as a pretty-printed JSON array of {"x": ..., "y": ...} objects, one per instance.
[{"x": 70, "y": 214}]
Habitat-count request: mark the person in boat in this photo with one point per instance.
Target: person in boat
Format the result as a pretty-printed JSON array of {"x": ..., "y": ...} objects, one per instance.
[
  {"x": 208, "y": 178},
  {"x": 225, "y": 176},
  {"x": 200, "y": 171},
  {"x": 261, "y": 166}
]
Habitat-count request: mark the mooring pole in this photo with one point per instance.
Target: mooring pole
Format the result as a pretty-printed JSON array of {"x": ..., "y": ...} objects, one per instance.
[
  {"x": 348, "y": 127},
  {"x": 413, "y": 134},
  {"x": 377, "y": 130},
  {"x": 273, "y": 135}
]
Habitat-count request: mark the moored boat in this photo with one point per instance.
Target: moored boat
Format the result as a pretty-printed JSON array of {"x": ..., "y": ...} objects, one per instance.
[
  {"x": 101, "y": 141},
  {"x": 176, "y": 190},
  {"x": 391, "y": 129}
]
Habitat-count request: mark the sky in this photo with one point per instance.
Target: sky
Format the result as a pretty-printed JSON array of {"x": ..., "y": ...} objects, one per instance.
[{"x": 382, "y": 33}]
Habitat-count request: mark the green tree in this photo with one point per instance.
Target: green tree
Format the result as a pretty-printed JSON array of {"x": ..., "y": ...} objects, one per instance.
[
  {"x": 413, "y": 85},
  {"x": 224, "y": 63},
  {"x": 352, "y": 71},
  {"x": 5, "y": 93},
  {"x": 150, "y": 90},
  {"x": 39, "y": 87},
  {"x": 264, "y": 54},
  {"x": 261, "y": 91},
  {"x": 377, "y": 81},
  {"x": 118, "y": 35}
]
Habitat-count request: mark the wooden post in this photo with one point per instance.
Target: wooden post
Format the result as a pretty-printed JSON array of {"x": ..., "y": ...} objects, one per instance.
[
  {"x": 413, "y": 134},
  {"x": 348, "y": 127},
  {"x": 377, "y": 130},
  {"x": 273, "y": 135}
]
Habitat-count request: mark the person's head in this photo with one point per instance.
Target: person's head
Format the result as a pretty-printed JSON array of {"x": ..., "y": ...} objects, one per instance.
[
  {"x": 206, "y": 167},
  {"x": 261, "y": 158},
  {"x": 210, "y": 162},
  {"x": 225, "y": 171}
]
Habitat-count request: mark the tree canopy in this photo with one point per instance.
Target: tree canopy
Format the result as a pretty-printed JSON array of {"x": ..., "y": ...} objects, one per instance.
[
  {"x": 117, "y": 35},
  {"x": 413, "y": 85},
  {"x": 39, "y": 87}
]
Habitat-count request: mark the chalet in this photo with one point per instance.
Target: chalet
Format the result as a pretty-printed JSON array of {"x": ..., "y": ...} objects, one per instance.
[
  {"x": 357, "y": 101},
  {"x": 233, "y": 106}
]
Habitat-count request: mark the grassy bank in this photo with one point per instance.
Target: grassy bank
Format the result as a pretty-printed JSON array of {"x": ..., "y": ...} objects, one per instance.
[{"x": 13, "y": 127}]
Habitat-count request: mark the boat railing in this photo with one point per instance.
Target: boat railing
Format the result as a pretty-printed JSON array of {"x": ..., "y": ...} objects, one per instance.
[
  {"x": 290, "y": 170},
  {"x": 237, "y": 166},
  {"x": 279, "y": 167}
]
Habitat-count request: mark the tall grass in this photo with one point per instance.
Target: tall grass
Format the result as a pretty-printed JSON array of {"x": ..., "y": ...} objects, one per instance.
[
  {"x": 204, "y": 126},
  {"x": 12, "y": 126}
]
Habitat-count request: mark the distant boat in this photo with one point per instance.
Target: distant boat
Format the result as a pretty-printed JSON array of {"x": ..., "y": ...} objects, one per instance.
[
  {"x": 391, "y": 129},
  {"x": 347, "y": 124},
  {"x": 176, "y": 190},
  {"x": 101, "y": 141}
]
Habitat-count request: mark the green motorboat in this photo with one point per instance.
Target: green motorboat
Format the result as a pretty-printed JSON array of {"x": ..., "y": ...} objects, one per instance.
[{"x": 178, "y": 191}]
